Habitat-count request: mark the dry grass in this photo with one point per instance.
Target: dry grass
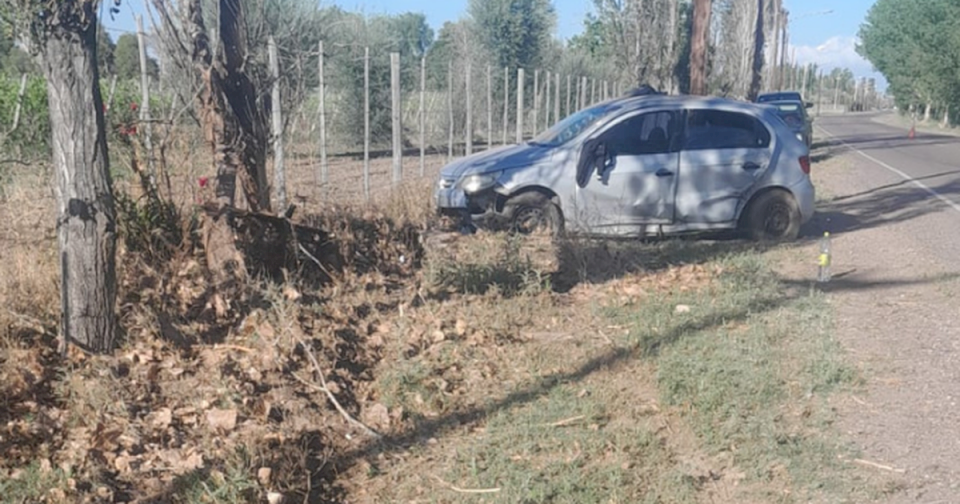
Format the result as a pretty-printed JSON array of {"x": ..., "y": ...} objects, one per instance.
[{"x": 530, "y": 369}]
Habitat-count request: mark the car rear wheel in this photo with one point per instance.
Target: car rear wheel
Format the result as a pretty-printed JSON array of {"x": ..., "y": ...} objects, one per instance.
[
  {"x": 773, "y": 216},
  {"x": 532, "y": 212}
]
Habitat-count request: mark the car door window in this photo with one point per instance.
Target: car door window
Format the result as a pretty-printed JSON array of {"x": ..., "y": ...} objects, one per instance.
[
  {"x": 718, "y": 129},
  {"x": 644, "y": 134}
]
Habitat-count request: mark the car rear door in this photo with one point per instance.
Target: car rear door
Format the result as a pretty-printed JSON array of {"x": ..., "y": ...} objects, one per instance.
[
  {"x": 637, "y": 182},
  {"x": 724, "y": 154}
]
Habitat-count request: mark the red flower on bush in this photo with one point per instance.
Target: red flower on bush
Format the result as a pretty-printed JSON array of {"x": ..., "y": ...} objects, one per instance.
[
  {"x": 203, "y": 181},
  {"x": 133, "y": 106}
]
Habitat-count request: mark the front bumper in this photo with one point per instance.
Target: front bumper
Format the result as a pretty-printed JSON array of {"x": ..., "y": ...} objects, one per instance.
[{"x": 450, "y": 201}]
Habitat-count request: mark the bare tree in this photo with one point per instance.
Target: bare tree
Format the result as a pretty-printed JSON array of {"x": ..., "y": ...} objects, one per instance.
[
  {"x": 65, "y": 38},
  {"x": 698, "y": 47},
  {"x": 756, "y": 80},
  {"x": 234, "y": 121}
]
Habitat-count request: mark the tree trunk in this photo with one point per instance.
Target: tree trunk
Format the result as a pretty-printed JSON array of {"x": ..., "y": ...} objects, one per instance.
[
  {"x": 772, "y": 76},
  {"x": 234, "y": 124},
  {"x": 698, "y": 47},
  {"x": 757, "y": 77},
  {"x": 672, "y": 46},
  {"x": 86, "y": 216}
]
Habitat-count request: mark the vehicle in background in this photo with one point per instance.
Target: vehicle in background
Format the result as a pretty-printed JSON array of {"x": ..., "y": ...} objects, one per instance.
[
  {"x": 780, "y": 96},
  {"x": 642, "y": 166},
  {"x": 794, "y": 113}
]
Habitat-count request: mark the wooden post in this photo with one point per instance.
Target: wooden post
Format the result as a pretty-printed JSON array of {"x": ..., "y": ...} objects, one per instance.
[
  {"x": 20, "y": 93},
  {"x": 113, "y": 91},
  {"x": 449, "y": 111},
  {"x": 506, "y": 103},
  {"x": 422, "y": 115},
  {"x": 468, "y": 129},
  {"x": 546, "y": 100},
  {"x": 836, "y": 92},
  {"x": 366, "y": 123},
  {"x": 556, "y": 98},
  {"x": 324, "y": 169},
  {"x": 489, "y": 107},
  {"x": 520, "y": 83},
  {"x": 593, "y": 91},
  {"x": 396, "y": 113},
  {"x": 536, "y": 100},
  {"x": 578, "y": 104},
  {"x": 566, "y": 111},
  {"x": 279, "y": 175},
  {"x": 145, "y": 125},
  {"x": 803, "y": 83},
  {"x": 820, "y": 92}
]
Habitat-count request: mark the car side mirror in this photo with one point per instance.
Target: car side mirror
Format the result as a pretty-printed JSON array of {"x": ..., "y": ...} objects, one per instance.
[
  {"x": 808, "y": 104},
  {"x": 593, "y": 157}
]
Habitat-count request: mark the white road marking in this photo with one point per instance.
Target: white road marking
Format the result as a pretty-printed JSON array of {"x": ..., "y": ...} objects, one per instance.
[{"x": 952, "y": 204}]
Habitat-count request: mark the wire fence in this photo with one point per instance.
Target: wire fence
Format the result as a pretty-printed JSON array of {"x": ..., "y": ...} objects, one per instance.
[{"x": 365, "y": 120}]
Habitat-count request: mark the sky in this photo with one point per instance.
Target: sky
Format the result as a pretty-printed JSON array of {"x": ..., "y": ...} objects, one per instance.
[{"x": 821, "y": 31}]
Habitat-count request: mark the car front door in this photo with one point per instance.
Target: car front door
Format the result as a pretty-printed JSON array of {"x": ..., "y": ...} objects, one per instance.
[
  {"x": 636, "y": 181},
  {"x": 724, "y": 154}
]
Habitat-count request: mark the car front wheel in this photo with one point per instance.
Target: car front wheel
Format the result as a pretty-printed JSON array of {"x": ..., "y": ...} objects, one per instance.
[
  {"x": 773, "y": 216},
  {"x": 532, "y": 212}
]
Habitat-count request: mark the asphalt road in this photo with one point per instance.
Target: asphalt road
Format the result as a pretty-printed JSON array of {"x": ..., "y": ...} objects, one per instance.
[{"x": 893, "y": 205}]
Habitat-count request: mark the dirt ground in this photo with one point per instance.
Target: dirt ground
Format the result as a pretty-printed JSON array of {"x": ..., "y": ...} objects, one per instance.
[
  {"x": 897, "y": 317},
  {"x": 494, "y": 370}
]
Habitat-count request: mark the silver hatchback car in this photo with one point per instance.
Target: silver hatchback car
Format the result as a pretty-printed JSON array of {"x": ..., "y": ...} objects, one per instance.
[{"x": 643, "y": 166}]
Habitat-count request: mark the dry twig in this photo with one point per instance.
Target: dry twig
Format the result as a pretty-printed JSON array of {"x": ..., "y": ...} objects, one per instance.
[
  {"x": 879, "y": 466},
  {"x": 323, "y": 388},
  {"x": 567, "y": 421},
  {"x": 466, "y": 490}
]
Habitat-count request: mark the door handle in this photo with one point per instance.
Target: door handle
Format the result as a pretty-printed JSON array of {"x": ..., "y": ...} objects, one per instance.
[
  {"x": 751, "y": 166},
  {"x": 663, "y": 172}
]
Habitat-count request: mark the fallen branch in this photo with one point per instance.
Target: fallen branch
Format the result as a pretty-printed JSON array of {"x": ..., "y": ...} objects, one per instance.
[
  {"x": 466, "y": 490},
  {"x": 317, "y": 262},
  {"x": 234, "y": 347},
  {"x": 323, "y": 388},
  {"x": 567, "y": 421},
  {"x": 879, "y": 466}
]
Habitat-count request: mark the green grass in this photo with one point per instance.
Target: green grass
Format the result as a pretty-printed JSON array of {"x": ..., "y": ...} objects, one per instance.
[
  {"x": 34, "y": 484},
  {"x": 563, "y": 448},
  {"x": 739, "y": 379},
  {"x": 750, "y": 367}
]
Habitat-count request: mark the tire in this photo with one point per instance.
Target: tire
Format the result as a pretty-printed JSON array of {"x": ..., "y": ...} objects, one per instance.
[
  {"x": 531, "y": 212},
  {"x": 773, "y": 216}
]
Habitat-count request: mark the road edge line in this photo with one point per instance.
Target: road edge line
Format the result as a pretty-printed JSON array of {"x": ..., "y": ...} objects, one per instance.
[{"x": 952, "y": 204}]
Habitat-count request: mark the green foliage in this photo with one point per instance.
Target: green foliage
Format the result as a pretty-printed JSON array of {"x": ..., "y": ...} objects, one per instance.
[
  {"x": 917, "y": 48},
  {"x": 126, "y": 59},
  {"x": 31, "y": 138},
  {"x": 516, "y": 33},
  {"x": 150, "y": 226}
]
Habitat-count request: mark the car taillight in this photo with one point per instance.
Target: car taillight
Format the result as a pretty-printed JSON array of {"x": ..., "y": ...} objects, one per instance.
[{"x": 805, "y": 164}]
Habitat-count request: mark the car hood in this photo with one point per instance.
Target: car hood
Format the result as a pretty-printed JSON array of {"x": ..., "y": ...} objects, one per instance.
[{"x": 497, "y": 159}]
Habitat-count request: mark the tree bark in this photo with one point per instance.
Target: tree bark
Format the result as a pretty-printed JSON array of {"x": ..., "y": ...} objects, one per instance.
[
  {"x": 86, "y": 216},
  {"x": 234, "y": 124},
  {"x": 671, "y": 46},
  {"x": 757, "y": 76},
  {"x": 698, "y": 47}
]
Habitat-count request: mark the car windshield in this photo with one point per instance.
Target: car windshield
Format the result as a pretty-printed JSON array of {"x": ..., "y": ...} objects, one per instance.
[{"x": 571, "y": 127}]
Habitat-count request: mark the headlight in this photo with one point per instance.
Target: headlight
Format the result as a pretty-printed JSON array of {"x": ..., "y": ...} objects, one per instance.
[{"x": 476, "y": 183}]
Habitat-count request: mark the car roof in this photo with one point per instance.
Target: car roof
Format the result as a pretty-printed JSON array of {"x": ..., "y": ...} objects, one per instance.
[
  {"x": 686, "y": 101},
  {"x": 779, "y": 95}
]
